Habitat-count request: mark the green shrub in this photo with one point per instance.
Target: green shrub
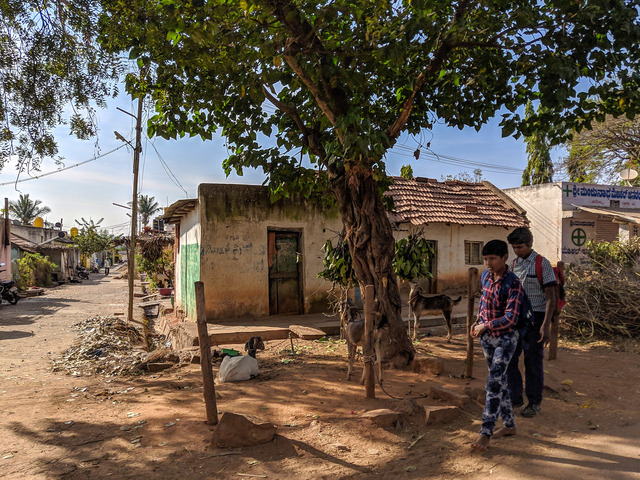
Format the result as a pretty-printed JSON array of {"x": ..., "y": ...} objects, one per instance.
[
  {"x": 35, "y": 270},
  {"x": 626, "y": 254}
]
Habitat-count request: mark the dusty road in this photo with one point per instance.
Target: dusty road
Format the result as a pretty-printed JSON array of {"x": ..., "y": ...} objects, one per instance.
[{"x": 55, "y": 425}]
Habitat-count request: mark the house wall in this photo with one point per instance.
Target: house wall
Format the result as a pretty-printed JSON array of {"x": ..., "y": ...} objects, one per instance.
[
  {"x": 187, "y": 266},
  {"x": 544, "y": 211},
  {"x": 234, "y": 263},
  {"x": 451, "y": 270},
  {"x": 36, "y": 235}
]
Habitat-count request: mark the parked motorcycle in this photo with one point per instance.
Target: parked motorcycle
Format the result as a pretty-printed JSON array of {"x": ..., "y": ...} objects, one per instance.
[
  {"x": 8, "y": 290},
  {"x": 81, "y": 272}
]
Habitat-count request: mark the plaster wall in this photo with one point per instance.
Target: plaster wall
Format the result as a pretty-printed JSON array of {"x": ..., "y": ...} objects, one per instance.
[
  {"x": 451, "y": 270},
  {"x": 187, "y": 269},
  {"x": 544, "y": 210},
  {"x": 234, "y": 264},
  {"x": 36, "y": 235}
]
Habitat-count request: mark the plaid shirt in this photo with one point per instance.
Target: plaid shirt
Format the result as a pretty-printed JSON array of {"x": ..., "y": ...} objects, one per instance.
[{"x": 497, "y": 317}]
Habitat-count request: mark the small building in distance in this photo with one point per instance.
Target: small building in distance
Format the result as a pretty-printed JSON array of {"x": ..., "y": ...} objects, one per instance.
[
  {"x": 565, "y": 215},
  {"x": 457, "y": 218}
]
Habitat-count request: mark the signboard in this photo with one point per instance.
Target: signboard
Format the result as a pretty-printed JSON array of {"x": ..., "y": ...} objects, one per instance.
[
  {"x": 575, "y": 234},
  {"x": 586, "y": 194}
]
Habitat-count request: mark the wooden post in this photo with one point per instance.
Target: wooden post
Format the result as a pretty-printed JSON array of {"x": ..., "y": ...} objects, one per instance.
[
  {"x": 555, "y": 325},
  {"x": 472, "y": 286},
  {"x": 367, "y": 344},
  {"x": 205, "y": 357}
]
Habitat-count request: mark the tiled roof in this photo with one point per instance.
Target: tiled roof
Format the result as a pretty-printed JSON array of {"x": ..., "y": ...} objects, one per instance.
[{"x": 422, "y": 200}]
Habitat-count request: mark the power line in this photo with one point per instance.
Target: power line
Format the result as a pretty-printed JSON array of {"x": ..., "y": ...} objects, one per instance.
[
  {"x": 456, "y": 161},
  {"x": 168, "y": 171},
  {"x": 35, "y": 177}
]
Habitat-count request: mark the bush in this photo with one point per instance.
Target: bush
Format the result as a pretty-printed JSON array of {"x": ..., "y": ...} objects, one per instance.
[
  {"x": 601, "y": 300},
  {"x": 625, "y": 254},
  {"x": 35, "y": 270}
]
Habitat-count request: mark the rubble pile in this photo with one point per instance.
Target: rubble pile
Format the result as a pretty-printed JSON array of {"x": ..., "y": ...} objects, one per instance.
[{"x": 105, "y": 345}]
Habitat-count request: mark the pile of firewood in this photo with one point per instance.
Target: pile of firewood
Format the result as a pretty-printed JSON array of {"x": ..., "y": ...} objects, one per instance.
[{"x": 604, "y": 303}]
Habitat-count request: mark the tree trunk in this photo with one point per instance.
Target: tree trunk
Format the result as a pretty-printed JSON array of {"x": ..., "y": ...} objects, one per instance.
[{"x": 371, "y": 244}]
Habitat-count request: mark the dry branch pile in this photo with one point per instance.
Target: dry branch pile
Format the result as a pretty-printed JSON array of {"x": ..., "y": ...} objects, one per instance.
[
  {"x": 105, "y": 345},
  {"x": 605, "y": 303}
]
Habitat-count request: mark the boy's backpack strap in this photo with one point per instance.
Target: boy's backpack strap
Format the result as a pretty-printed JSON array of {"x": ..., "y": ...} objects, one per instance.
[{"x": 538, "y": 260}]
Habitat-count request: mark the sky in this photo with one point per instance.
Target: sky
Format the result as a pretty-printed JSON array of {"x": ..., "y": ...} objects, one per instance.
[{"x": 172, "y": 170}]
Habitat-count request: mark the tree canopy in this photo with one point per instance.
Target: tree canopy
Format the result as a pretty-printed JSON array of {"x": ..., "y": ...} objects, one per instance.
[
  {"x": 51, "y": 72},
  {"x": 600, "y": 154},
  {"x": 333, "y": 85},
  {"x": 27, "y": 210}
]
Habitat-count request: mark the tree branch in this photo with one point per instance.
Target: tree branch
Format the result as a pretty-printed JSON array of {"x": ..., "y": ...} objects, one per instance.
[
  {"x": 310, "y": 137},
  {"x": 438, "y": 59},
  {"x": 303, "y": 38}
]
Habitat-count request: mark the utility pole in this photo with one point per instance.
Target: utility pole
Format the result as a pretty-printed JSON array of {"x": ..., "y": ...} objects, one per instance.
[
  {"x": 137, "y": 150},
  {"x": 134, "y": 208}
]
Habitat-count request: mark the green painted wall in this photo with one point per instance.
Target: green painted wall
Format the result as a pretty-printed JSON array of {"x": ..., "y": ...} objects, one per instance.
[{"x": 189, "y": 274}]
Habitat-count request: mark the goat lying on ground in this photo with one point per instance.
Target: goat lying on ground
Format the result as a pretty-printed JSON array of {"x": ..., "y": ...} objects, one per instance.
[
  {"x": 253, "y": 345},
  {"x": 354, "y": 335},
  {"x": 420, "y": 304}
]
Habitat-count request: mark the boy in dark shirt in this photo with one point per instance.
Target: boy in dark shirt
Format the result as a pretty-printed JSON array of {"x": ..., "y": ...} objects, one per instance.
[{"x": 496, "y": 329}]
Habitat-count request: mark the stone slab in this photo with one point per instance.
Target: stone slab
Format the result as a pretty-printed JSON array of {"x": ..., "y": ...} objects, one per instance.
[
  {"x": 478, "y": 395},
  {"x": 444, "y": 414},
  {"x": 236, "y": 430},
  {"x": 450, "y": 397},
  {"x": 242, "y": 334},
  {"x": 306, "y": 333},
  {"x": 429, "y": 365},
  {"x": 383, "y": 417}
]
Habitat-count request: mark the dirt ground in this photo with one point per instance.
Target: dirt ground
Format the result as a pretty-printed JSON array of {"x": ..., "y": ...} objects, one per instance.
[{"x": 55, "y": 425}]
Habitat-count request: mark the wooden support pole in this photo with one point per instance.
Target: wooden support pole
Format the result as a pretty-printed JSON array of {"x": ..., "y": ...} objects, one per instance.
[
  {"x": 555, "y": 324},
  {"x": 472, "y": 286},
  {"x": 367, "y": 344},
  {"x": 205, "y": 357}
]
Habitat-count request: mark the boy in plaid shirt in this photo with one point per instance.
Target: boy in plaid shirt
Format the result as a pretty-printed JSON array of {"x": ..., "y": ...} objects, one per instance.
[{"x": 496, "y": 329}]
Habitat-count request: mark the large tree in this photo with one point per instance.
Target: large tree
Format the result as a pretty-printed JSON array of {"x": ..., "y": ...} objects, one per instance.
[
  {"x": 27, "y": 210},
  {"x": 539, "y": 167},
  {"x": 335, "y": 83},
  {"x": 51, "y": 72},
  {"x": 602, "y": 152}
]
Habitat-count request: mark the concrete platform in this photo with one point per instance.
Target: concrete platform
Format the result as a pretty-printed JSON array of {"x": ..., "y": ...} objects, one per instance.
[{"x": 276, "y": 327}]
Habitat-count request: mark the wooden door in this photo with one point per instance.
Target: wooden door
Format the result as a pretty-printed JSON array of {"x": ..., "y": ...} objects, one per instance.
[{"x": 285, "y": 287}]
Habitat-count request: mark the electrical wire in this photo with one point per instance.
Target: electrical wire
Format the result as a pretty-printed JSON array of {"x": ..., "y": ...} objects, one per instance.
[
  {"x": 168, "y": 171},
  {"x": 36, "y": 177}
]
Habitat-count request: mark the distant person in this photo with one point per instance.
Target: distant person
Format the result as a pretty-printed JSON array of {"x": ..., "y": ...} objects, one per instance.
[
  {"x": 539, "y": 282},
  {"x": 495, "y": 327},
  {"x": 107, "y": 264}
]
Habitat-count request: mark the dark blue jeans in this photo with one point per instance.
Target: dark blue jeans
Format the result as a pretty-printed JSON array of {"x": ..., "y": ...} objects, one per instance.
[{"x": 533, "y": 369}]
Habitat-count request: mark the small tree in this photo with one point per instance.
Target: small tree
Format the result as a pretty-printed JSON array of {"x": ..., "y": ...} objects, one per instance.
[
  {"x": 147, "y": 206},
  {"x": 92, "y": 240},
  {"x": 600, "y": 153},
  {"x": 539, "y": 168},
  {"x": 26, "y": 210},
  {"x": 464, "y": 176}
]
